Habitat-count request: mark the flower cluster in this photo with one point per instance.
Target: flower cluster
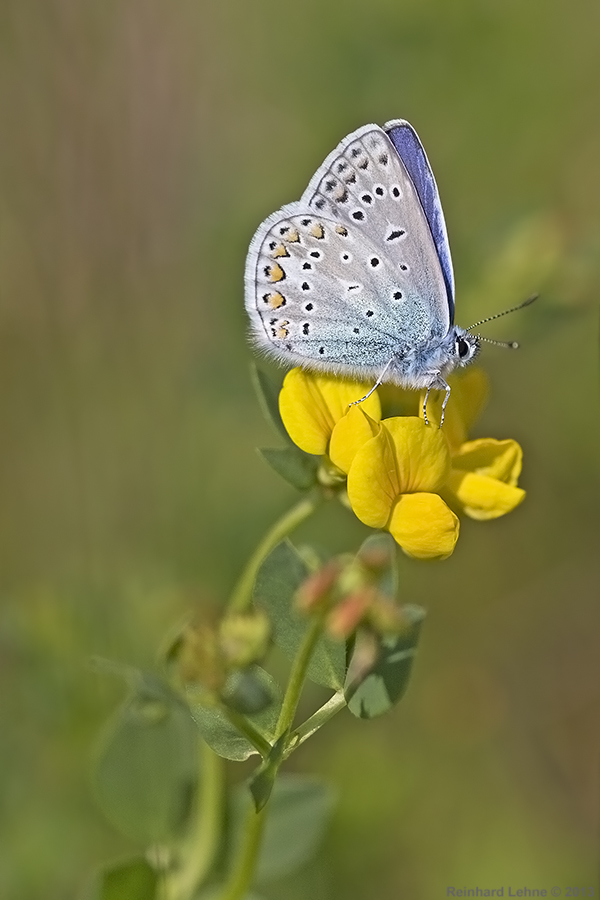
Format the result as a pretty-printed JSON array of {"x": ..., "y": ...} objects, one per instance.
[{"x": 403, "y": 475}]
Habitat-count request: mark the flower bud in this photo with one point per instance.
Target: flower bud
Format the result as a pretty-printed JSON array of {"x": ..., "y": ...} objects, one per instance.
[
  {"x": 198, "y": 656},
  {"x": 350, "y": 612},
  {"x": 315, "y": 592},
  {"x": 244, "y": 638},
  {"x": 364, "y": 659}
]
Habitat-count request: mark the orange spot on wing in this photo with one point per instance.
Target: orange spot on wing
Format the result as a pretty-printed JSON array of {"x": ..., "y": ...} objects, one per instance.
[{"x": 275, "y": 273}]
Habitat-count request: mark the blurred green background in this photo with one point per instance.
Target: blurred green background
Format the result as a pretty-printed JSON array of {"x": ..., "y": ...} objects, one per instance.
[{"x": 142, "y": 143}]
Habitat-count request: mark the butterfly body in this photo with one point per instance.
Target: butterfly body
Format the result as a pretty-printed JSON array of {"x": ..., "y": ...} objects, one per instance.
[{"x": 356, "y": 277}]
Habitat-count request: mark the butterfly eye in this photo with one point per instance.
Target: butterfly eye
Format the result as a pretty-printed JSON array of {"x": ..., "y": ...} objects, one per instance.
[{"x": 463, "y": 348}]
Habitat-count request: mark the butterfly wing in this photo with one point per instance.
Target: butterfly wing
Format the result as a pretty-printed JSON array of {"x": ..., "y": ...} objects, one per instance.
[
  {"x": 349, "y": 276},
  {"x": 412, "y": 153}
]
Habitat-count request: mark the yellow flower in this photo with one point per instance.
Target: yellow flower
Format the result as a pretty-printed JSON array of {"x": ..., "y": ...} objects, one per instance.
[
  {"x": 403, "y": 475},
  {"x": 394, "y": 480},
  {"x": 483, "y": 479},
  {"x": 310, "y": 406}
]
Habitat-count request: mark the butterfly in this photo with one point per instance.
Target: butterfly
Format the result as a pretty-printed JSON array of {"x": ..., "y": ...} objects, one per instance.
[{"x": 355, "y": 279}]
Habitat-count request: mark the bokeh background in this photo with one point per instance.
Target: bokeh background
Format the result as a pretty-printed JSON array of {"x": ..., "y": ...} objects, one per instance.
[{"x": 142, "y": 143}]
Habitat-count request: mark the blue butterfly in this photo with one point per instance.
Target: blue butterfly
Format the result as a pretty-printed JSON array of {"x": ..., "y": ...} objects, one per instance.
[{"x": 355, "y": 278}]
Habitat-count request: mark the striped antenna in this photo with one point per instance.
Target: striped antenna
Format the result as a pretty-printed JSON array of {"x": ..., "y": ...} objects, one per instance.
[
  {"x": 499, "y": 315},
  {"x": 510, "y": 345}
]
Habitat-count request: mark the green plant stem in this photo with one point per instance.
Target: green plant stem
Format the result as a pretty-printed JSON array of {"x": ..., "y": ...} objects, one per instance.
[
  {"x": 242, "y": 595},
  {"x": 249, "y": 731},
  {"x": 314, "y": 722},
  {"x": 244, "y": 871},
  {"x": 298, "y": 677},
  {"x": 203, "y": 841}
]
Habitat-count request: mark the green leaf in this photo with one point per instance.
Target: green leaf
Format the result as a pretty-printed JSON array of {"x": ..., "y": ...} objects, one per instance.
[
  {"x": 262, "y": 782},
  {"x": 132, "y": 879},
  {"x": 384, "y": 682},
  {"x": 268, "y": 398},
  {"x": 278, "y": 579},
  {"x": 294, "y": 465},
  {"x": 147, "y": 764},
  {"x": 221, "y": 735},
  {"x": 297, "y": 817},
  {"x": 383, "y": 548},
  {"x": 247, "y": 692}
]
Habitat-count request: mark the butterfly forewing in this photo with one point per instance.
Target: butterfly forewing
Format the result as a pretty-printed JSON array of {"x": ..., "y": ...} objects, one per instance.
[
  {"x": 349, "y": 276},
  {"x": 412, "y": 153}
]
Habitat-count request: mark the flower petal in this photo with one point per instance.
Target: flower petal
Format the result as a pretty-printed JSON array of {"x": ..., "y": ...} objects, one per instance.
[
  {"x": 480, "y": 496},
  {"x": 406, "y": 456},
  {"x": 310, "y": 405},
  {"x": 373, "y": 480},
  {"x": 421, "y": 454},
  {"x": 424, "y": 526},
  {"x": 497, "y": 459},
  {"x": 349, "y": 435}
]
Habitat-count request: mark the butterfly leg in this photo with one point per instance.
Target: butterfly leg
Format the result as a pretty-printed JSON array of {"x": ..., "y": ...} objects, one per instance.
[
  {"x": 447, "y": 388},
  {"x": 442, "y": 385},
  {"x": 425, "y": 405},
  {"x": 375, "y": 386}
]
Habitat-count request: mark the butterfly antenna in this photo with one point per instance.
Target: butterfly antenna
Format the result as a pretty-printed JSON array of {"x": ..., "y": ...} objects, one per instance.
[
  {"x": 505, "y": 313},
  {"x": 510, "y": 345}
]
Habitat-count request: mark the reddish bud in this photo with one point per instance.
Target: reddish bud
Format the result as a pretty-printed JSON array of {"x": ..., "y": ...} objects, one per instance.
[
  {"x": 349, "y": 613},
  {"x": 314, "y": 593}
]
